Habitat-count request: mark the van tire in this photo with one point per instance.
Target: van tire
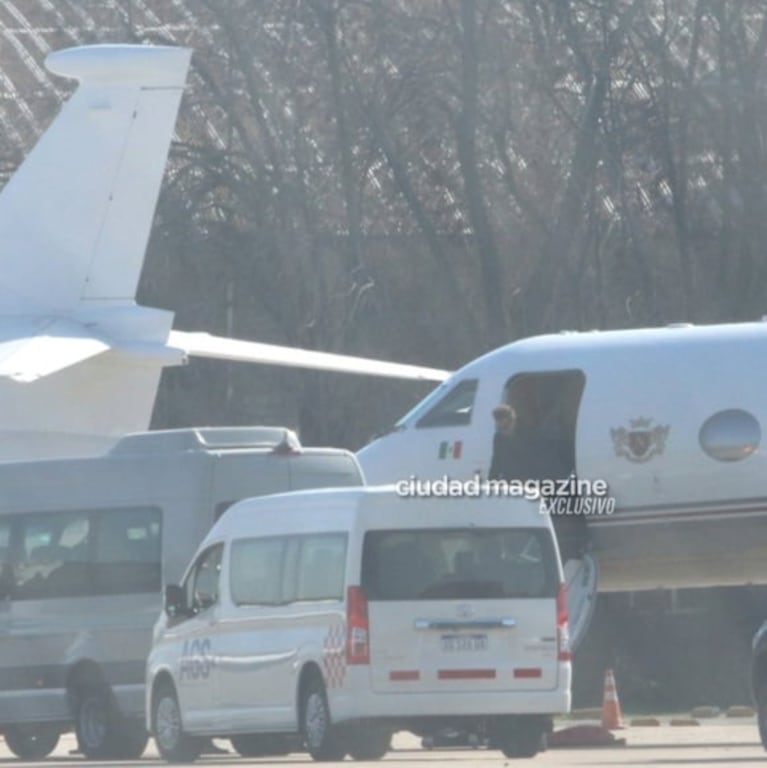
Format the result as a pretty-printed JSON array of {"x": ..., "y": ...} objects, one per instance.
[
  {"x": 761, "y": 710},
  {"x": 131, "y": 739},
  {"x": 94, "y": 722},
  {"x": 320, "y": 738},
  {"x": 368, "y": 742},
  {"x": 259, "y": 745},
  {"x": 102, "y": 731},
  {"x": 173, "y": 743},
  {"x": 521, "y": 737},
  {"x": 31, "y": 742}
]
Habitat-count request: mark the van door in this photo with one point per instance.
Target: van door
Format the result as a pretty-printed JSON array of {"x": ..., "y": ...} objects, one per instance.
[
  {"x": 287, "y": 598},
  {"x": 256, "y": 654},
  {"x": 462, "y": 609},
  {"x": 195, "y": 640},
  {"x": 50, "y": 581}
]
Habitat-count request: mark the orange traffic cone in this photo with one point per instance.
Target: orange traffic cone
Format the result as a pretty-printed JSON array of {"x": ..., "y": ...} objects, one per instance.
[{"x": 611, "y": 707}]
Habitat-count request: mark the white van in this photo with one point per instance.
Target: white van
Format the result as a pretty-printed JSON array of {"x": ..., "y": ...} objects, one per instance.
[
  {"x": 327, "y": 620},
  {"x": 85, "y": 547}
]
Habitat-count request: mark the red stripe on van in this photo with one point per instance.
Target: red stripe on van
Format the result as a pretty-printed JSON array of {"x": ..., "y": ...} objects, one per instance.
[
  {"x": 528, "y": 672},
  {"x": 466, "y": 674},
  {"x": 400, "y": 675}
]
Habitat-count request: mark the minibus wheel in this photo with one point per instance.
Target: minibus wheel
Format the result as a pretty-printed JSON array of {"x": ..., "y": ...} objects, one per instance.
[
  {"x": 320, "y": 737},
  {"x": 761, "y": 711},
  {"x": 94, "y": 717},
  {"x": 173, "y": 743},
  {"x": 102, "y": 732},
  {"x": 31, "y": 742}
]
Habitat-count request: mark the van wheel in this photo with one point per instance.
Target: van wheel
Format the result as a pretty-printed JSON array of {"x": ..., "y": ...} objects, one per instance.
[
  {"x": 761, "y": 711},
  {"x": 31, "y": 742},
  {"x": 259, "y": 745},
  {"x": 368, "y": 742},
  {"x": 131, "y": 739},
  {"x": 320, "y": 737},
  {"x": 94, "y": 723},
  {"x": 521, "y": 737},
  {"x": 173, "y": 743}
]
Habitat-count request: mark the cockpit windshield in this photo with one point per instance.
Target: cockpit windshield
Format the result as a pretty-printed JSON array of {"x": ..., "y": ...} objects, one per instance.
[{"x": 450, "y": 404}]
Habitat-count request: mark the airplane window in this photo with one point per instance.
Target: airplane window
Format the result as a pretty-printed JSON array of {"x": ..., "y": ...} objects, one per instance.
[
  {"x": 454, "y": 408},
  {"x": 423, "y": 405},
  {"x": 730, "y": 435}
]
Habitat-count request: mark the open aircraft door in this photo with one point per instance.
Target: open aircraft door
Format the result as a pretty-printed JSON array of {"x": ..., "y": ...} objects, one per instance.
[{"x": 582, "y": 578}]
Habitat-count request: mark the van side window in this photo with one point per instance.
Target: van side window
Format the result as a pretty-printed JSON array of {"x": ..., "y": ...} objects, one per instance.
[
  {"x": 53, "y": 556},
  {"x": 6, "y": 575},
  {"x": 455, "y": 564},
  {"x": 320, "y": 568},
  {"x": 203, "y": 583},
  {"x": 255, "y": 571},
  {"x": 127, "y": 554},
  {"x": 81, "y": 554},
  {"x": 454, "y": 409},
  {"x": 287, "y": 569}
]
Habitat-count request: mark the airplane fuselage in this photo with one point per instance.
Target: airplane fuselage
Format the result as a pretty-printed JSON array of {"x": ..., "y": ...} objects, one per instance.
[{"x": 670, "y": 419}]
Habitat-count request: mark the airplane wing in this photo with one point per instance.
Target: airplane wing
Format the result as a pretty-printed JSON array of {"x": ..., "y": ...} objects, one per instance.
[
  {"x": 38, "y": 347},
  {"x": 205, "y": 345}
]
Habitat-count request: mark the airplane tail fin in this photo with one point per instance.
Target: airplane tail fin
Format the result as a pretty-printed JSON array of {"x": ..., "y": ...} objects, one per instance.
[{"x": 92, "y": 181}]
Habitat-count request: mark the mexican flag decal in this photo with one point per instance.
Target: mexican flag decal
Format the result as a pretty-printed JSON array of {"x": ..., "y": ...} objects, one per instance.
[{"x": 448, "y": 450}]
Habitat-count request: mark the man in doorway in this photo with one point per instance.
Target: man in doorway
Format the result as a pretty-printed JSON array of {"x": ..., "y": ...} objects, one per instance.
[
  {"x": 522, "y": 453},
  {"x": 502, "y": 464}
]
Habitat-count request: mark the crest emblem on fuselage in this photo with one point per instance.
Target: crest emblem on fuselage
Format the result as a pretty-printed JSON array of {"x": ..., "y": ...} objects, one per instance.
[{"x": 641, "y": 440}]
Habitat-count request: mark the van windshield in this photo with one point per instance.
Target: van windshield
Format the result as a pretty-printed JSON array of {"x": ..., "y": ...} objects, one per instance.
[{"x": 459, "y": 563}]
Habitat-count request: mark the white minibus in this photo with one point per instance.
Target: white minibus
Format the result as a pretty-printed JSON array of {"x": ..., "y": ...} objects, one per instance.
[{"x": 85, "y": 547}]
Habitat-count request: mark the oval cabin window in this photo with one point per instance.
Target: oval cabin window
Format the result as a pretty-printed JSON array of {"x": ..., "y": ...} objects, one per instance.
[{"x": 730, "y": 435}]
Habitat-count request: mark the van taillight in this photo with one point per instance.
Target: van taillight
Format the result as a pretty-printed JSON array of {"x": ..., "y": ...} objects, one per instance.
[
  {"x": 563, "y": 630},
  {"x": 357, "y": 627}
]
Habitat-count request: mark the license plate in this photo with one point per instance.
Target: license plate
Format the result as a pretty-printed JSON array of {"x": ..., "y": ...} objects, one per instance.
[{"x": 459, "y": 643}]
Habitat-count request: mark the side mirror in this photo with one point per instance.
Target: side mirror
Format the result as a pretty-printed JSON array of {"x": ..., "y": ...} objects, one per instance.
[{"x": 175, "y": 601}]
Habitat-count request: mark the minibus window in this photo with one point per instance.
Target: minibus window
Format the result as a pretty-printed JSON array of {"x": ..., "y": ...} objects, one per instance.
[
  {"x": 82, "y": 554},
  {"x": 448, "y": 564},
  {"x": 127, "y": 551},
  {"x": 53, "y": 561}
]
